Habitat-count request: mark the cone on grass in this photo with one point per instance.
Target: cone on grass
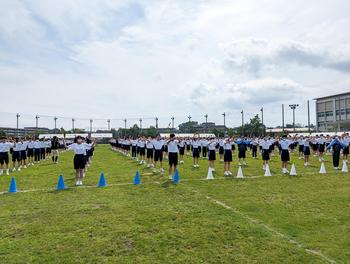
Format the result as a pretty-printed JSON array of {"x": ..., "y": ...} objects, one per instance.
[
  {"x": 267, "y": 171},
  {"x": 13, "y": 186},
  {"x": 60, "y": 184},
  {"x": 137, "y": 178},
  {"x": 240, "y": 173},
  {"x": 293, "y": 171},
  {"x": 323, "y": 168},
  {"x": 345, "y": 167},
  {"x": 176, "y": 177},
  {"x": 102, "y": 182},
  {"x": 210, "y": 174}
]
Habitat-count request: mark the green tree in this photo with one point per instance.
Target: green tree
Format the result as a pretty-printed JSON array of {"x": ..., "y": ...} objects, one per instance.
[{"x": 2, "y": 133}]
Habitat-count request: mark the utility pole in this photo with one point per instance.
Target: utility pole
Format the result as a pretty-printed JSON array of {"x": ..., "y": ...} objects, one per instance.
[
  {"x": 262, "y": 120},
  {"x": 293, "y": 107},
  {"x": 73, "y": 120},
  {"x": 156, "y": 122},
  {"x": 242, "y": 123},
  {"x": 17, "y": 116},
  {"x": 140, "y": 123},
  {"x": 308, "y": 116},
  {"x": 283, "y": 118},
  {"x": 36, "y": 125},
  {"x": 189, "y": 118},
  {"x": 125, "y": 123},
  {"x": 224, "y": 115},
  {"x": 109, "y": 124},
  {"x": 172, "y": 122},
  {"x": 55, "y": 119},
  {"x": 91, "y": 126},
  {"x": 206, "y": 122}
]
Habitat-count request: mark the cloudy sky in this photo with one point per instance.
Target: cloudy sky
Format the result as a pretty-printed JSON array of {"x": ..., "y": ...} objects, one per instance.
[{"x": 130, "y": 59}]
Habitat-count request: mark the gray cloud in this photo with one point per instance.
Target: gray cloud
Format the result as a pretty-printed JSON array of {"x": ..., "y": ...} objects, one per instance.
[{"x": 254, "y": 55}]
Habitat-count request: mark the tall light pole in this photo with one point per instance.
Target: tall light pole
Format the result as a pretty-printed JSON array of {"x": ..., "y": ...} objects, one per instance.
[
  {"x": 262, "y": 120},
  {"x": 206, "y": 122},
  {"x": 109, "y": 124},
  {"x": 293, "y": 107},
  {"x": 125, "y": 123},
  {"x": 91, "y": 126},
  {"x": 172, "y": 122},
  {"x": 156, "y": 122},
  {"x": 36, "y": 124},
  {"x": 55, "y": 119},
  {"x": 73, "y": 120},
  {"x": 140, "y": 123},
  {"x": 283, "y": 118},
  {"x": 242, "y": 123},
  {"x": 189, "y": 118},
  {"x": 224, "y": 115},
  {"x": 308, "y": 116},
  {"x": 17, "y": 117}
]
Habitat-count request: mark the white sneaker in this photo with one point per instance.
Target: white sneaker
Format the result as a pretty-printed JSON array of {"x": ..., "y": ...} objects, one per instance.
[
  {"x": 154, "y": 171},
  {"x": 25, "y": 166},
  {"x": 77, "y": 183},
  {"x": 7, "y": 172},
  {"x": 226, "y": 173},
  {"x": 1, "y": 172},
  {"x": 244, "y": 163},
  {"x": 32, "y": 164},
  {"x": 229, "y": 173},
  {"x": 264, "y": 167},
  {"x": 14, "y": 169},
  {"x": 212, "y": 169},
  {"x": 148, "y": 166},
  {"x": 80, "y": 183},
  {"x": 140, "y": 162},
  {"x": 161, "y": 170},
  {"x": 19, "y": 169},
  {"x": 170, "y": 177}
]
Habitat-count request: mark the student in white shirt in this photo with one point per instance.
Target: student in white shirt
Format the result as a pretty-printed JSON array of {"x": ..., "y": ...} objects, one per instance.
[
  {"x": 158, "y": 144},
  {"x": 181, "y": 151},
  {"x": 265, "y": 144},
  {"x": 173, "y": 151},
  {"x": 149, "y": 153},
  {"x": 30, "y": 152},
  {"x": 42, "y": 149},
  {"x": 4, "y": 155},
  {"x": 37, "y": 150},
  {"x": 221, "y": 149},
  {"x": 204, "y": 144},
  {"x": 306, "y": 143},
  {"x": 16, "y": 155},
  {"x": 24, "y": 147},
  {"x": 346, "y": 142},
  {"x": 321, "y": 144},
  {"x": 195, "y": 152},
  {"x": 285, "y": 145},
  {"x": 211, "y": 145},
  {"x": 301, "y": 147},
  {"x": 228, "y": 143},
  {"x": 79, "y": 149},
  {"x": 142, "y": 152},
  {"x": 55, "y": 145}
]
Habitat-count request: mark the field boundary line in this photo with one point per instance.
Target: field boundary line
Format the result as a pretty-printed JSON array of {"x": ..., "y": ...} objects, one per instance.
[{"x": 270, "y": 229}]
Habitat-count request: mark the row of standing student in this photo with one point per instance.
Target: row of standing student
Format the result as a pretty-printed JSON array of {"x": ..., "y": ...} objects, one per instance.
[
  {"x": 26, "y": 152},
  {"x": 153, "y": 149}
]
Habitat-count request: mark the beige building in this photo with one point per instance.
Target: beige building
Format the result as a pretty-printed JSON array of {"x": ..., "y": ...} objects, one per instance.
[{"x": 333, "y": 112}]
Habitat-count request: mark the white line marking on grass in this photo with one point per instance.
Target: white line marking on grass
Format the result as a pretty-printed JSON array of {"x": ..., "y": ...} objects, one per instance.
[{"x": 275, "y": 232}]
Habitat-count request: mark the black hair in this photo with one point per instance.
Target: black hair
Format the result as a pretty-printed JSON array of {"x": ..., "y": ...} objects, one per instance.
[{"x": 172, "y": 135}]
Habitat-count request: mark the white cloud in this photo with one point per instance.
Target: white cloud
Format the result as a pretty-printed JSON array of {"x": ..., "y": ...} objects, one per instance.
[{"x": 166, "y": 58}]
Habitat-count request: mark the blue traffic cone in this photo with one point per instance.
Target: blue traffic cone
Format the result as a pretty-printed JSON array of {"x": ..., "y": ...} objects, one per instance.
[
  {"x": 137, "y": 178},
  {"x": 176, "y": 177},
  {"x": 102, "y": 182},
  {"x": 13, "y": 186},
  {"x": 60, "y": 184}
]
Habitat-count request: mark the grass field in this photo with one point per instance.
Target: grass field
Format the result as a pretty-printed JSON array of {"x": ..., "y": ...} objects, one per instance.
[{"x": 281, "y": 219}]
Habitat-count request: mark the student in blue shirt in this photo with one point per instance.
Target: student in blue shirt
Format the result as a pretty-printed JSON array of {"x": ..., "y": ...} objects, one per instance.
[{"x": 336, "y": 146}]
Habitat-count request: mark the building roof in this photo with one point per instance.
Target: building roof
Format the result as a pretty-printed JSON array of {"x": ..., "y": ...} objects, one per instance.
[{"x": 323, "y": 97}]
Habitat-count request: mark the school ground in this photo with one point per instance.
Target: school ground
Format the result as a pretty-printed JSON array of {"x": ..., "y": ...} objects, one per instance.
[{"x": 279, "y": 219}]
